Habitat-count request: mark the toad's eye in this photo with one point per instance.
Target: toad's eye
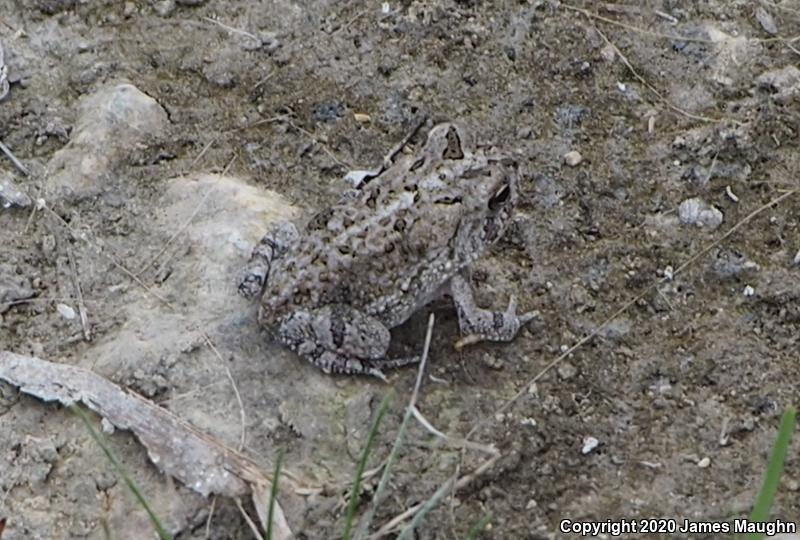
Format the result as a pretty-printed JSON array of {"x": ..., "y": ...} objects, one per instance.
[
  {"x": 453, "y": 149},
  {"x": 500, "y": 197}
]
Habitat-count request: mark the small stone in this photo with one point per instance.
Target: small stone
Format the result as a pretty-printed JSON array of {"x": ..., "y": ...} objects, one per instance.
[
  {"x": 531, "y": 505},
  {"x": 524, "y": 132},
  {"x": 128, "y": 9},
  {"x": 107, "y": 427},
  {"x": 327, "y": 112},
  {"x": 567, "y": 371},
  {"x": 492, "y": 361},
  {"x": 533, "y": 389},
  {"x": 589, "y": 444},
  {"x": 749, "y": 291},
  {"x": 697, "y": 212},
  {"x": 531, "y": 422},
  {"x": 704, "y": 463},
  {"x": 573, "y": 158},
  {"x": 766, "y": 21},
  {"x": 65, "y": 311},
  {"x": 792, "y": 485},
  {"x": 111, "y": 121},
  {"x": 797, "y": 258},
  {"x": 220, "y": 74},
  {"x": 727, "y": 263},
  {"x": 608, "y": 53},
  {"x": 362, "y": 118},
  {"x": 164, "y": 8},
  {"x": 783, "y": 84}
]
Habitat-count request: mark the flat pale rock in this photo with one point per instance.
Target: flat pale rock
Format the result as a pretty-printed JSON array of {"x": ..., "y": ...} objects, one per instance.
[{"x": 110, "y": 123}]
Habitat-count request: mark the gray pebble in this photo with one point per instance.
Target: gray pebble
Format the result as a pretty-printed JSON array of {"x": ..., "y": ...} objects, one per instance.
[
  {"x": 783, "y": 83},
  {"x": 697, "y": 212},
  {"x": 573, "y": 158},
  {"x": 10, "y": 194},
  {"x": 766, "y": 21},
  {"x": 567, "y": 371}
]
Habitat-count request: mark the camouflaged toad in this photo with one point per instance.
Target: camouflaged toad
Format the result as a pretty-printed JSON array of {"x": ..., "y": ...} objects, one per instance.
[{"x": 332, "y": 290}]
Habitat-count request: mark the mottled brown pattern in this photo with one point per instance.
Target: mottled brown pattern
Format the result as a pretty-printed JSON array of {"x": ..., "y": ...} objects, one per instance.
[{"x": 386, "y": 250}]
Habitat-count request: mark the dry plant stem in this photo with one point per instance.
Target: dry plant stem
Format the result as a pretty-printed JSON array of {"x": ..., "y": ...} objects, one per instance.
[
  {"x": 316, "y": 141},
  {"x": 267, "y": 77},
  {"x": 79, "y": 293},
  {"x": 213, "y": 141},
  {"x": 650, "y": 87},
  {"x": 789, "y": 46},
  {"x": 461, "y": 483},
  {"x": 199, "y": 156},
  {"x": 232, "y": 29},
  {"x": 17, "y": 163},
  {"x": 5, "y": 23},
  {"x": 210, "y": 515},
  {"x": 486, "y": 420},
  {"x": 624, "y": 10},
  {"x": 636, "y": 29},
  {"x": 230, "y": 164},
  {"x": 366, "y": 520},
  {"x": 457, "y": 483},
  {"x": 250, "y": 523},
  {"x": 350, "y": 22},
  {"x": 452, "y": 441},
  {"x": 423, "y": 362}
]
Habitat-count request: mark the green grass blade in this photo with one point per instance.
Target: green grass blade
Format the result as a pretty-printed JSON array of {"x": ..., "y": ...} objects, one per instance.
[
  {"x": 772, "y": 477},
  {"x": 121, "y": 471},
  {"x": 478, "y": 527},
  {"x": 273, "y": 494},
  {"x": 362, "y": 464},
  {"x": 384, "y": 481}
]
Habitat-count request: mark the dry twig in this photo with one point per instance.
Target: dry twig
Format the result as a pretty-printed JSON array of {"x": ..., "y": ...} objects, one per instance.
[
  {"x": 178, "y": 449},
  {"x": 87, "y": 335},
  {"x": 17, "y": 163}
]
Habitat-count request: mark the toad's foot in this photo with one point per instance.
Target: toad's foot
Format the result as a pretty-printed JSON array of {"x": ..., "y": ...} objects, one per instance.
[
  {"x": 331, "y": 362},
  {"x": 340, "y": 339},
  {"x": 479, "y": 324},
  {"x": 273, "y": 245}
]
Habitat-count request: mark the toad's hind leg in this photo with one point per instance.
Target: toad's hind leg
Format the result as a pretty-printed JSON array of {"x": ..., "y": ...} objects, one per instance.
[
  {"x": 483, "y": 324},
  {"x": 272, "y": 246},
  {"x": 340, "y": 339}
]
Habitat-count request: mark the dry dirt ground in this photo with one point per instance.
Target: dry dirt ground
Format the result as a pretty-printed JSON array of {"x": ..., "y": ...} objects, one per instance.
[{"x": 231, "y": 113}]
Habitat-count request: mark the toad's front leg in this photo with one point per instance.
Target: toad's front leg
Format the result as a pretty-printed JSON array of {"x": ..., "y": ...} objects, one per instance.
[
  {"x": 272, "y": 246},
  {"x": 481, "y": 324},
  {"x": 340, "y": 339}
]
